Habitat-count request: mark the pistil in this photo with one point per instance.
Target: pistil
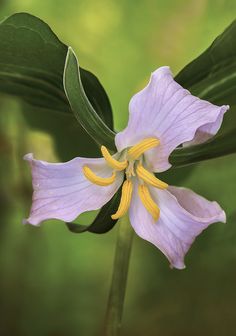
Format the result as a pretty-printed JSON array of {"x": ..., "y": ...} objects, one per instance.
[{"x": 130, "y": 169}]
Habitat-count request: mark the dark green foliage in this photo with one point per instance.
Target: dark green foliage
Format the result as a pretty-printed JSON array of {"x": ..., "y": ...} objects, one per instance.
[{"x": 32, "y": 62}]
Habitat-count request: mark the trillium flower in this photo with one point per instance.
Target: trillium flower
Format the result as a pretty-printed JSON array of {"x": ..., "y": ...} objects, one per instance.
[{"x": 162, "y": 117}]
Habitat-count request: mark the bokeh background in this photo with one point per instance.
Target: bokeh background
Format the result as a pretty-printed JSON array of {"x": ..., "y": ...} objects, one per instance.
[{"x": 55, "y": 283}]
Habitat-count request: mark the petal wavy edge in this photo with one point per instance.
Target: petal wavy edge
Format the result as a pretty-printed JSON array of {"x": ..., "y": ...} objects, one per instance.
[{"x": 52, "y": 195}]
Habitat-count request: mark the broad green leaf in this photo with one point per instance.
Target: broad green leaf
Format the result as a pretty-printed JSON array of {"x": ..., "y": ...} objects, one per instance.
[
  {"x": 32, "y": 61},
  {"x": 97, "y": 97},
  {"x": 80, "y": 105},
  {"x": 103, "y": 221},
  {"x": 222, "y": 145},
  {"x": 212, "y": 75}
]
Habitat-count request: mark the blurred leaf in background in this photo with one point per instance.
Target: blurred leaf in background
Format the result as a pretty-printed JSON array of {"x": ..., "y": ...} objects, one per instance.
[{"x": 54, "y": 282}]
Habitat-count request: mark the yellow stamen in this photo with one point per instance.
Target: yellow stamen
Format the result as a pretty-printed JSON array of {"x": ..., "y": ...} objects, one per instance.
[
  {"x": 146, "y": 144},
  {"x": 148, "y": 202},
  {"x": 101, "y": 181},
  {"x": 150, "y": 178},
  {"x": 111, "y": 161},
  {"x": 126, "y": 194}
]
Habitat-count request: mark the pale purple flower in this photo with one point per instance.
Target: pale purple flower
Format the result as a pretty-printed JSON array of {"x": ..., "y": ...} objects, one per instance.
[{"x": 162, "y": 116}]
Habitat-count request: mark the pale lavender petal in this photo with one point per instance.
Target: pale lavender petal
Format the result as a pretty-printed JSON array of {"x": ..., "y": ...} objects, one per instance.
[
  {"x": 62, "y": 192},
  {"x": 184, "y": 215},
  {"x": 165, "y": 110},
  {"x": 207, "y": 131}
]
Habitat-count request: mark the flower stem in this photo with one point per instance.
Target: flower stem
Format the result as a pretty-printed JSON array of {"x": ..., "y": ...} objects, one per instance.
[{"x": 119, "y": 278}]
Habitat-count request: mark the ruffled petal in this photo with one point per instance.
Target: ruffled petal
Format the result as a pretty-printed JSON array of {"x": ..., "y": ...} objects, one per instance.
[
  {"x": 183, "y": 216},
  {"x": 207, "y": 131},
  {"x": 62, "y": 192},
  {"x": 165, "y": 110}
]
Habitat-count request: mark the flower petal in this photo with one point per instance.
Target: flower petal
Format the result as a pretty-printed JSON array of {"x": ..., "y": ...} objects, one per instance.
[
  {"x": 207, "y": 131},
  {"x": 61, "y": 190},
  {"x": 165, "y": 110},
  {"x": 183, "y": 216}
]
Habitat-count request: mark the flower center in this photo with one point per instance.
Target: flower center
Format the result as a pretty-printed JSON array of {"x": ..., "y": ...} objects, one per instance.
[{"x": 131, "y": 160}]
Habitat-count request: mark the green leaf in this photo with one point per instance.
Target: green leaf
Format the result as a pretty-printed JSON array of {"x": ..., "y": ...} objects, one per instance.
[
  {"x": 222, "y": 145},
  {"x": 176, "y": 177},
  {"x": 212, "y": 75},
  {"x": 103, "y": 221},
  {"x": 81, "y": 107},
  {"x": 97, "y": 97},
  {"x": 32, "y": 60}
]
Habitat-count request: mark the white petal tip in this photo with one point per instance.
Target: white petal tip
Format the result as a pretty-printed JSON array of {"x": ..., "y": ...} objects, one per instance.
[
  {"x": 222, "y": 217},
  {"x": 178, "y": 265},
  {"x": 225, "y": 107},
  {"x": 164, "y": 70},
  {"x": 28, "y": 157},
  {"x": 26, "y": 221}
]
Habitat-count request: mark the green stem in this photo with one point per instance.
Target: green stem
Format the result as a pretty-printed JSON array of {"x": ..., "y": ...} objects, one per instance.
[{"x": 119, "y": 278}]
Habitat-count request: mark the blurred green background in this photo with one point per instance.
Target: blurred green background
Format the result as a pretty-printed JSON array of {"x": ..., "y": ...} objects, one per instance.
[{"x": 55, "y": 283}]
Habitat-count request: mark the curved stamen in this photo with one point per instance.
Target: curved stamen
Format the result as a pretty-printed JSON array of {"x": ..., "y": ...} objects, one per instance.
[
  {"x": 148, "y": 202},
  {"x": 101, "y": 181},
  {"x": 146, "y": 144},
  {"x": 126, "y": 195},
  {"x": 149, "y": 178},
  {"x": 111, "y": 161}
]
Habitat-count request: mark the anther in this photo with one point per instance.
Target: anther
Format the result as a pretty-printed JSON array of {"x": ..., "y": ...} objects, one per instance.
[
  {"x": 146, "y": 144},
  {"x": 148, "y": 202},
  {"x": 126, "y": 195},
  {"x": 113, "y": 163},
  {"x": 101, "y": 181},
  {"x": 150, "y": 178}
]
